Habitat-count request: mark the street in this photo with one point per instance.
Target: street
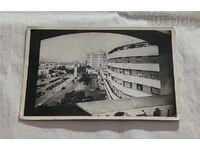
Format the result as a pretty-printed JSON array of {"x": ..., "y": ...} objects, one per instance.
[{"x": 73, "y": 91}]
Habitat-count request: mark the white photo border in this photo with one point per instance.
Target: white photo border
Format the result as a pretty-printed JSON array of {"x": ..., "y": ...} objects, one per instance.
[{"x": 25, "y": 77}]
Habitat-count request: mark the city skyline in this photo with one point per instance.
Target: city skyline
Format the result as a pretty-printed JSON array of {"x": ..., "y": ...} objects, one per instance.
[{"x": 74, "y": 47}]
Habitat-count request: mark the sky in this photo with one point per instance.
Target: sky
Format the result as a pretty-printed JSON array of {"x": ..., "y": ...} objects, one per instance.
[{"x": 74, "y": 47}]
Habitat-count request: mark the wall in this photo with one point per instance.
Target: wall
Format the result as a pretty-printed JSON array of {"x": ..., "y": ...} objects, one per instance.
[{"x": 12, "y": 38}]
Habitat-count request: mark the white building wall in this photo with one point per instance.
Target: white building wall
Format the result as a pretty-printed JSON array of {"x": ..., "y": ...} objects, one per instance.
[{"x": 144, "y": 63}]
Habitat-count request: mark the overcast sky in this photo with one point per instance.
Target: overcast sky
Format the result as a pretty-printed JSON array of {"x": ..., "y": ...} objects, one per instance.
[{"x": 74, "y": 47}]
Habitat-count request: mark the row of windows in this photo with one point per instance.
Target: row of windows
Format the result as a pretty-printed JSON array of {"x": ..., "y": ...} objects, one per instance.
[
  {"x": 139, "y": 73},
  {"x": 136, "y": 86},
  {"x": 135, "y": 59}
]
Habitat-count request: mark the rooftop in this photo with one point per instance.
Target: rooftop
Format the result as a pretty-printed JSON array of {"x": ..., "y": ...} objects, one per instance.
[{"x": 105, "y": 106}]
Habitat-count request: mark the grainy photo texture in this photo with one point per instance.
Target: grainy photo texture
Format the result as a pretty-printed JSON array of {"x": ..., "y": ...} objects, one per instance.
[{"x": 99, "y": 74}]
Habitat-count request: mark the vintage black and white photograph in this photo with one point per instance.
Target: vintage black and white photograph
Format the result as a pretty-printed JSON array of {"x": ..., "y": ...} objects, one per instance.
[{"x": 99, "y": 73}]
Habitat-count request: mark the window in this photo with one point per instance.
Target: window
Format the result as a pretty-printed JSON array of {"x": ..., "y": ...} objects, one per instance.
[
  {"x": 146, "y": 89},
  {"x": 127, "y": 71},
  {"x": 110, "y": 60},
  {"x": 134, "y": 86},
  {"x": 155, "y": 91},
  {"x": 146, "y": 74},
  {"x": 120, "y": 71},
  {"x": 125, "y": 59},
  {"x": 155, "y": 75},
  {"x": 146, "y": 59},
  {"x": 138, "y": 59},
  {"x": 154, "y": 59},
  {"x": 118, "y": 60},
  {"x": 128, "y": 84},
  {"x": 139, "y": 73},
  {"x": 134, "y": 72},
  {"x": 120, "y": 81},
  {"x": 112, "y": 78},
  {"x": 128, "y": 59},
  {"x": 132, "y": 59},
  {"x": 140, "y": 87}
]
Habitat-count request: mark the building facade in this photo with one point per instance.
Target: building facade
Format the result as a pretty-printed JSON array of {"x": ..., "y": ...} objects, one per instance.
[
  {"x": 96, "y": 59},
  {"x": 133, "y": 71}
]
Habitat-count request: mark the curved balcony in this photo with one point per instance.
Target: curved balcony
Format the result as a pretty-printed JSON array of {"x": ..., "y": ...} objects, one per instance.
[
  {"x": 129, "y": 91},
  {"x": 141, "y": 51},
  {"x": 139, "y": 80}
]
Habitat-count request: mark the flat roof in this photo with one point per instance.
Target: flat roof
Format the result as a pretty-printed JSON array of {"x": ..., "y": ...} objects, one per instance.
[{"x": 103, "y": 106}]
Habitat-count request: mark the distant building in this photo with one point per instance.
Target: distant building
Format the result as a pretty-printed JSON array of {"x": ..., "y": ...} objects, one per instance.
[
  {"x": 133, "y": 71},
  {"x": 75, "y": 71},
  {"x": 96, "y": 59},
  {"x": 43, "y": 69},
  {"x": 43, "y": 72}
]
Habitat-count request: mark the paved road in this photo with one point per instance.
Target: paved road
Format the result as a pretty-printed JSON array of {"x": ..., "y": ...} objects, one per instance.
[
  {"x": 50, "y": 93},
  {"x": 61, "y": 94},
  {"x": 56, "y": 97}
]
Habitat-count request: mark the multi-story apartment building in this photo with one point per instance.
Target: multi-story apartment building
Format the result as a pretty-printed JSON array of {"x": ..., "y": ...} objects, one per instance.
[
  {"x": 96, "y": 59},
  {"x": 133, "y": 71}
]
